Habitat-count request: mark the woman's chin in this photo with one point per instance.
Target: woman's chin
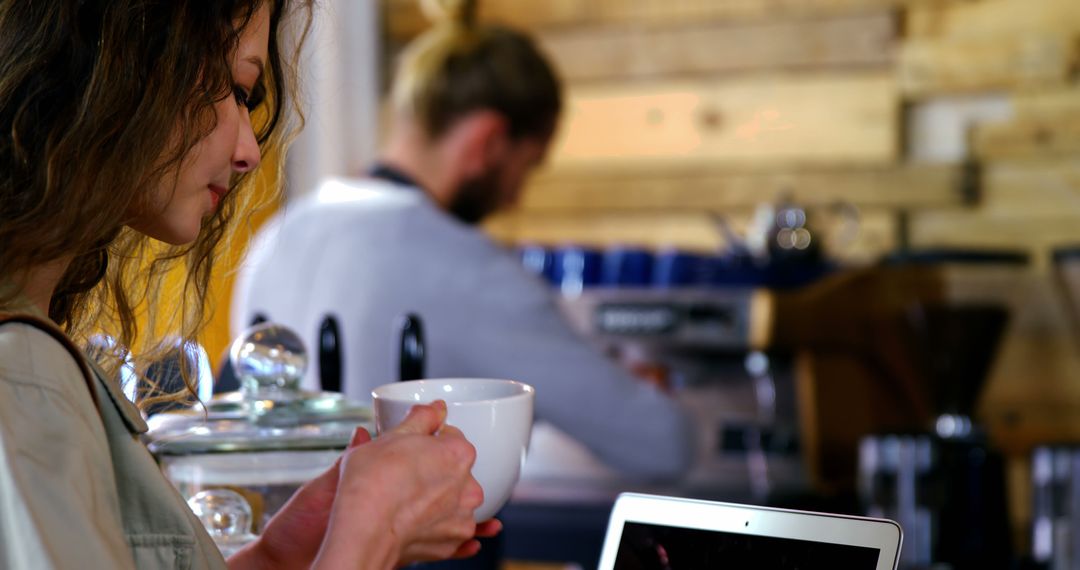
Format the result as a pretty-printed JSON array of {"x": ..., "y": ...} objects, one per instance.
[{"x": 170, "y": 234}]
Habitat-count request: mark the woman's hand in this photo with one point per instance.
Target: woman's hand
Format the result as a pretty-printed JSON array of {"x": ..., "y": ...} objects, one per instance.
[{"x": 405, "y": 497}]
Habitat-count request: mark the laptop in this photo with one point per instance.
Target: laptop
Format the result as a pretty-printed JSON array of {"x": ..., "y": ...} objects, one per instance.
[{"x": 648, "y": 532}]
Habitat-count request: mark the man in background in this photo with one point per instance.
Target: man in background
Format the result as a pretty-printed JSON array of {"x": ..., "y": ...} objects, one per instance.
[{"x": 475, "y": 109}]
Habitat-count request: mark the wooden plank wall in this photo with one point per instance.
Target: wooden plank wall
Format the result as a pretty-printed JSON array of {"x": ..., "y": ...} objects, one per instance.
[
  {"x": 1027, "y": 52},
  {"x": 720, "y": 92},
  {"x": 681, "y": 111},
  {"x": 755, "y": 120},
  {"x": 614, "y": 53},
  {"x": 684, "y": 106}
]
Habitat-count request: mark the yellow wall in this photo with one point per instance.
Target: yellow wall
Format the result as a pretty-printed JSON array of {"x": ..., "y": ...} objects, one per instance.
[{"x": 216, "y": 337}]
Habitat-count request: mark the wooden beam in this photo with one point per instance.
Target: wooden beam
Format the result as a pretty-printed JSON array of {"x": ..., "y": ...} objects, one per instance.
[
  {"x": 622, "y": 52},
  {"x": 928, "y": 66},
  {"x": 1059, "y": 136},
  {"x": 992, "y": 18},
  {"x": 546, "y": 12},
  {"x": 1032, "y": 190},
  {"x": 1036, "y": 236},
  {"x": 815, "y": 119},
  {"x": 906, "y": 187},
  {"x": 1047, "y": 103},
  {"x": 972, "y": 229},
  {"x": 693, "y": 231},
  {"x": 989, "y": 44},
  {"x": 404, "y": 19},
  {"x": 1044, "y": 123}
]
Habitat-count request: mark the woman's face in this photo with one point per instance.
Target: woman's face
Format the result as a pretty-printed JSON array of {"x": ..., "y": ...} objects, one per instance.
[{"x": 176, "y": 212}]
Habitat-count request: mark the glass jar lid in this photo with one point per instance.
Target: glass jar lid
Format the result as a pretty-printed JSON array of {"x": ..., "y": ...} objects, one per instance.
[
  {"x": 227, "y": 517},
  {"x": 268, "y": 413}
]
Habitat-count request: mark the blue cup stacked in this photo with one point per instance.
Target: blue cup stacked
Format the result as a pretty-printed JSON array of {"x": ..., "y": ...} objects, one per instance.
[
  {"x": 576, "y": 269},
  {"x": 572, "y": 269},
  {"x": 739, "y": 269},
  {"x": 538, "y": 260},
  {"x": 676, "y": 268},
  {"x": 627, "y": 267}
]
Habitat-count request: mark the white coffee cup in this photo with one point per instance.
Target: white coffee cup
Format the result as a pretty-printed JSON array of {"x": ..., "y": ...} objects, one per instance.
[{"x": 495, "y": 416}]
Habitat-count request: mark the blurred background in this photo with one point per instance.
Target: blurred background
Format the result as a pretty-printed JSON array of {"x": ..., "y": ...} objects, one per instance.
[{"x": 909, "y": 170}]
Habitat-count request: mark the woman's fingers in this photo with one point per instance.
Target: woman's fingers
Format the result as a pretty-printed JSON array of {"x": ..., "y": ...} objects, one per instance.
[
  {"x": 422, "y": 470},
  {"x": 423, "y": 419},
  {"x": 467, "y": 550},
  {"x": 472, "y": 496},
  {"x": 489, "y": 528},
  {"x": 449, "y": 538}
]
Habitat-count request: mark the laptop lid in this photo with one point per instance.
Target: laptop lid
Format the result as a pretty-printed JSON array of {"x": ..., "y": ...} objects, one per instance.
[{"x": 649, "y": 532}]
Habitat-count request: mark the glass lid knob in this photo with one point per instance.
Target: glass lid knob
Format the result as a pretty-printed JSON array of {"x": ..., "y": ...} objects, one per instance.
[
  {"x": 224, "y": 513},
  {"x": 269, "y": 360}
]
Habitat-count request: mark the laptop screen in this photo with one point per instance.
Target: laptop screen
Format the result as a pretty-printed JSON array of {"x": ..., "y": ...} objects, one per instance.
[
  {"x": 656, "y": 547},
  {"x": 650, "y": 532}
]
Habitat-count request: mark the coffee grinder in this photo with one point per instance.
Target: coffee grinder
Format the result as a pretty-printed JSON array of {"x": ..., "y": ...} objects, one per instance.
[
  {"x": 946, "y": 485},
  {"x": 1055, "y": 467}
]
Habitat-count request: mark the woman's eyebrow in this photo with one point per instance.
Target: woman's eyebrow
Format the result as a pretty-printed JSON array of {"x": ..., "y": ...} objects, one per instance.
[{"x": 257, "y": 62}]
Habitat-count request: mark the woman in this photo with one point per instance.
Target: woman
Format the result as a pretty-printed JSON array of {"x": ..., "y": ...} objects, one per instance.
[{"x": 125, "y": 136}]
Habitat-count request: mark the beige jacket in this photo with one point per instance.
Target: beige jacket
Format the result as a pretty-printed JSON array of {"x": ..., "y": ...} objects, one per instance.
[{"x": 78, "y": 489}]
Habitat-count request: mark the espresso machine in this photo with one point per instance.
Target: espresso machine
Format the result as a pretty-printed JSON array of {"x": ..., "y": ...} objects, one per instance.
[
  {"x": 708, "y": 347},
  {"x": 773, "y": 361}
]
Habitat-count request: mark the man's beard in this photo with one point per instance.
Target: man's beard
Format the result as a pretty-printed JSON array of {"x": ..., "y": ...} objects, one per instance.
[{"x": 477, "y": 198}]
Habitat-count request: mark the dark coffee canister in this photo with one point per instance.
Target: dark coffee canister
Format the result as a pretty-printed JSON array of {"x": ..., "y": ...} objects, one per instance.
[{"x": 947, "y": 493}]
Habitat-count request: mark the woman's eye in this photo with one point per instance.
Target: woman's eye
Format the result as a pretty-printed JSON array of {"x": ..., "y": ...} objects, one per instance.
[
  {"x": 242, "y": 97},
  {"x": 249, "y": 100}
]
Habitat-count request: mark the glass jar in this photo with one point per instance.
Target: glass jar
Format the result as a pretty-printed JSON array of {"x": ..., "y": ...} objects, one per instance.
[{"x": 263, "y": 441}]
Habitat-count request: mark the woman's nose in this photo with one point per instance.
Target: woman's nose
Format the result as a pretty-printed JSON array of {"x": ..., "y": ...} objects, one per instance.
[{"x": 246, "y": 155}]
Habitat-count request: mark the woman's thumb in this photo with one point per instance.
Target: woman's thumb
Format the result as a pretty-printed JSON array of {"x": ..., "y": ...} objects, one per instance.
[{"x": 360, "y": 436}]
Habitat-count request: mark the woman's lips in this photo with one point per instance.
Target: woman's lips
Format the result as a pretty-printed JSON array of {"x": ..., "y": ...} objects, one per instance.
[{"x": 217, "y": 193}]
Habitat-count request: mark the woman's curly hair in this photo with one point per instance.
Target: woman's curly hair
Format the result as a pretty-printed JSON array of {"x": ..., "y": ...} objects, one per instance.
[{"x": 100, "y": 101}]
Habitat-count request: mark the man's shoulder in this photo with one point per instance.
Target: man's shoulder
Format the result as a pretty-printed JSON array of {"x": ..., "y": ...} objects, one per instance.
[
  {"x": 360, "y": 194},
  {"x": 357, "y": 206}
]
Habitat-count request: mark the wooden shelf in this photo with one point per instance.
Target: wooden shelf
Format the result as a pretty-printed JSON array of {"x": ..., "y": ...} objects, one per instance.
[{"x": 719, "y": 190}]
